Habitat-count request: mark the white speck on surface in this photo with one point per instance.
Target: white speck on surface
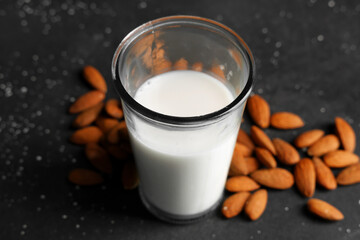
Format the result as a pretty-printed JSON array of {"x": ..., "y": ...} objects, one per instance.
[
  {"x": 276, "y": 54},
  {"x": 322, "y": 110},
  {"x": 278, "y": 44},
  {"x": 331, "y": 3},
  {"x": 348, "y": 230},
  {"x": 260, "y": 90},
  {"x": 42, "y": 196},
  {"x": 38, "y": 158},
  {"x": 142, "y": 5},
  {"x": 286, "y": 209},
  {"x": 77, "y": 226},
  {"x": 108, "y": 30},
  {"x": 320, "y": 38},
  {"x": 258, "y": 231},
  {"x": 22, "y": 232},
  {"x": 340, "y": 229},
  {"x": 64, "y": 216},
  {"x": 24, "y": 226},
  {"x": 264, "y": 30}
]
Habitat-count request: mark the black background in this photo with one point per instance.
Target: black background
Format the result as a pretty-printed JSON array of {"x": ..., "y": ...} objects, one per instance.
[{"x": 308, "y": 62}]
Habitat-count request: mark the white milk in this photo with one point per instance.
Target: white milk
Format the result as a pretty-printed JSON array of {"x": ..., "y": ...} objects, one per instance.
[{"x": 183, "y": 172}]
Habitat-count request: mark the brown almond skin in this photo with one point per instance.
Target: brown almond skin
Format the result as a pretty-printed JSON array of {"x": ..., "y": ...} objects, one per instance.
[
  {"x": 86, "y": 101},
  {"x": 105, "y": 123},
  {"x": 129, "y": 177},
  {"x": 245, "y": 139},
  {"x": 198, "y": 66},
  {"x": 244, "y": 150},
  {"x": 85, "y": 177},
  {"x": 256, "y": 204},
  {"x": 261, "y": 139},
  {"x": 98, "y": 157},
  {"x": 326, "y": 144},
  {"x": 277, "y": 178},
  {"x": 305, "y": 177},
  {"x": 113, "y": 108},
  {"x": 265, "y": 157},
  {"x": 286, "y": 120},
  {"x": 180, "y": 64},
  {"x": 243, "y": 166},
  {"x": 234, "y": 204},
  {"x": 94, "y": 78},
  {"x": 346, "y": 134},
  {"x": 324, "y": 210},
  {"x": 120, "y": 151},
  {"x": 340, "y": 159},
  {"x": 324, "y": 175},
  {"x": 259, "y": 110},
  {"x": 216, "y": 69},
  {"x": 286, "y": 153},
  {"x": 308, "y": 138},
  {"x": 118, "y": 133},
  {"x": 241, "y": 184},
  {"x": 86, "y": 135},
  {"x": 88, "y": 116},
  {"x": 349, "y": 175}
]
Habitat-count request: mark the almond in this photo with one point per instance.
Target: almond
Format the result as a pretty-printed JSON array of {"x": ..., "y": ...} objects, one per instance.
[
  {"x": 265, "y": 157},
  {"x": 86, "y": 101},
  {"x": 118, "y": 133},
  {"x": 106, "y": 124},
  {"x": 98, "y": 157},
  {"x": 340, "y": 159},
  {"x": 286, "y": 153},
  {"x": 120, "y": 151},
  {"x": 305, "y": 177},
  {"x": 349, "y": 175},
  {"x": 308, "y": 138},
  {"x": 129, "y": 177},
  {"x": 94, "y": 78},
  {"x": 261, "y": 139},
  {"x": 86, "y": 135},
  {"x": 324, "y": 175},
  {"x": 198, "y": 66},
  {"x": 180, "y": 64},
  {"x": 324, "y": 210},
  {"x": 256, "y": 204},
  {"x": 244, "y": 150},
  {"x": 286, "y": 120},
  {"x": 113, "y": 108},
  {"x": 244, "y": 139},
  {"x": 259, "y": 111},
  {"x": 277, "y": 178},
  {"x": 346, "y": 134},
  {"x": 241, "y": 184},
  {"x": 234, "y": 204},
  {"x": 217, "y": 70},
  {"x": 241, "y": 165},
  {"x": 84, "y": 177},
  {"x": 88, "y": 116},
  {"x": 326, "y": 144}
]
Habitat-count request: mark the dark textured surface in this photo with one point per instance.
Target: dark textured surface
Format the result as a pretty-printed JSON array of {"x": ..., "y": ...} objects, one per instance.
[{"x": 307, "y": 55}]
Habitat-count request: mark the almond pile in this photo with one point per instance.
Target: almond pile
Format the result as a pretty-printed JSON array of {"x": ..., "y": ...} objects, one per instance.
[
  {"x": 101, "y": 129},
  {"x": 259, "y": 161}
]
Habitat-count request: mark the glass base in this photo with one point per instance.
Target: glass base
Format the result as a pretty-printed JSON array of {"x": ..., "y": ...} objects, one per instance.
[{"x": 174, "y": 218}]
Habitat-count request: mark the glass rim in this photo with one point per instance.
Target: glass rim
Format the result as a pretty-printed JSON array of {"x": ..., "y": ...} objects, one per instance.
[{"x": 159, "y": 117}]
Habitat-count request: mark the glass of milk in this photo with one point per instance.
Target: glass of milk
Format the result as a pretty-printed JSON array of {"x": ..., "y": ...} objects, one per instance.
[{"x": 183, "y": 82}]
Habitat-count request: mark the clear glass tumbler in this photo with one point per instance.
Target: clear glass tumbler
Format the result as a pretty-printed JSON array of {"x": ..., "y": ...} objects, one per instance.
[{"x": 182, "y": 162}]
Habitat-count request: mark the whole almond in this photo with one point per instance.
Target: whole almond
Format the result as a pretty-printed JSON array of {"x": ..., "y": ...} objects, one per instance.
[
  {"x": 286, "y": 120},
  {"x": 241, "y": 184},
  {"x": 86, "y": 101},
  {"x": 241, "y": 165},
  {"x": 113, "y": 108},
  {"x": 244, "y": 139},
  {"x": 118, "y": 133},
  {"x": 308, "y": 138},
  {"x": 106, "y": 124},
  {"x": 305, "y": 177},
  {"x": 256, "y": 204},
  {"x": 259, "y": 111},
  {"x": 346, "y": 134},
  {"x": 277, "y": 178},
  {"x": 349, "y": 175},
  {"x": 286, "y": 153},
  {"x": 244, "y": 150},
  {"x": 234, "y": 204},
  {"x": 324, "y": 210},
  {"x": 129, "y": 177},
  {"x": 84, "y": 177},
  {"x": 86, "y": 135},
  {"x": 180, "y": 64},
  {"x": 98, "y": 157},
  {"x": 326, "y": 144},
  {"x": 340, "y": 159},
  {"x": 94, "y": 78},
  {"x": 88, "y": 116},
  {"x": 265, "y": 157},
  {"x": 261, "y": 139},
  {"x": 324, "y": 175}
]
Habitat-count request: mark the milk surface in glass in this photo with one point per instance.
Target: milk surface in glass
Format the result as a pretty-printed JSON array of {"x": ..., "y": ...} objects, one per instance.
[{"x": 188, "y": 176}]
